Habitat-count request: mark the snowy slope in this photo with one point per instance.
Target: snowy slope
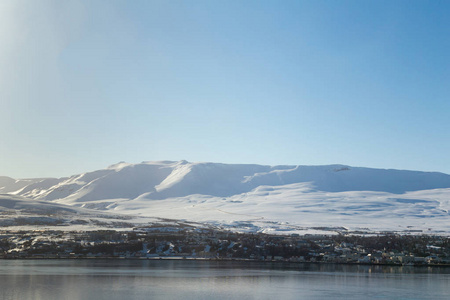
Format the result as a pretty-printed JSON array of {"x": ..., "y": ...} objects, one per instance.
[
  {"x": 256, "y": 197},
  {"x": 161, "y": 180},
  {"x": 8, "y": 185},
  {"x": 16, "y": 211},
  {"x": 298, "y": 208},
  {"x": 19, "y": 213},
  {"x": 339, "y": 178}
]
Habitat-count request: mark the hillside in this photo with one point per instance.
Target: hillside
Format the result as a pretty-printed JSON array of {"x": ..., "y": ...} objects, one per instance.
[
  {"x": 161, "y": 180},
  {"x": 255, "y": 197}
]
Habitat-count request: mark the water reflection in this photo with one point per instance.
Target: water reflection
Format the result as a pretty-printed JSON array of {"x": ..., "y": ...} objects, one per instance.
[{"x": 128, "y": 279}]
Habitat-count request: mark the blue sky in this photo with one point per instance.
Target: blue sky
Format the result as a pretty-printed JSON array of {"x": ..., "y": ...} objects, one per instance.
[{"x": 85, "y": 84}]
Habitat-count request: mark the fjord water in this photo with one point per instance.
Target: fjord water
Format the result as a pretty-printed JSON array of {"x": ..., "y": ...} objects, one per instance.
[{"x": 184, "y": 279}]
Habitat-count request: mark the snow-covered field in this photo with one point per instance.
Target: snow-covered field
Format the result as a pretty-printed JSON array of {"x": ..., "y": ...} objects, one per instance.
[{"x": 272, "y": 199}]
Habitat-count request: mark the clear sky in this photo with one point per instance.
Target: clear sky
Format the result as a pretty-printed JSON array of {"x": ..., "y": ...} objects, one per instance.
[{"x": 85, "y": 84}]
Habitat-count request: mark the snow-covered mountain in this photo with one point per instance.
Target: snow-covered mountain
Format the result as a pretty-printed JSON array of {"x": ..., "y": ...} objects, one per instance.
[
  {"x": 257, "y": 197},
  {"x": 165, "y": 179}
]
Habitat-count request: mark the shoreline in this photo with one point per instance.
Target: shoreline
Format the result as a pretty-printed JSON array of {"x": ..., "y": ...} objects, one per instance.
[{"x": 202, "y": 259}]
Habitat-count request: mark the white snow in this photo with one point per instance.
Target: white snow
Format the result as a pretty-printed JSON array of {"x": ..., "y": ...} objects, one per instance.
[{"x": 257, "y": 198}]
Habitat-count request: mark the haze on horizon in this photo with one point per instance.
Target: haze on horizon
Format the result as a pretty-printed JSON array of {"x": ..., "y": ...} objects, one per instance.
[{"x": 85, "y": 84}]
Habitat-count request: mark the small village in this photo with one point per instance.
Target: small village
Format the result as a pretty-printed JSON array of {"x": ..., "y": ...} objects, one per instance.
[{"x": 200, "y": 243}]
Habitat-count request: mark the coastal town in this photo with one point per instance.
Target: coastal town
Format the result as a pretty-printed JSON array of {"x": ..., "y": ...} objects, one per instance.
[{"x": 205, "y": 243}]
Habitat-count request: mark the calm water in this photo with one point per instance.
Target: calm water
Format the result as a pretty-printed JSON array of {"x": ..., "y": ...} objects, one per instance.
[{"x": 121, "y": 279}]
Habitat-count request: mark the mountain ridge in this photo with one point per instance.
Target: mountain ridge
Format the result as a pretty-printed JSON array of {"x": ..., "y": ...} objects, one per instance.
[
  {"x": 164, "y": 179},
  {"x": 249, "y": 197}
]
